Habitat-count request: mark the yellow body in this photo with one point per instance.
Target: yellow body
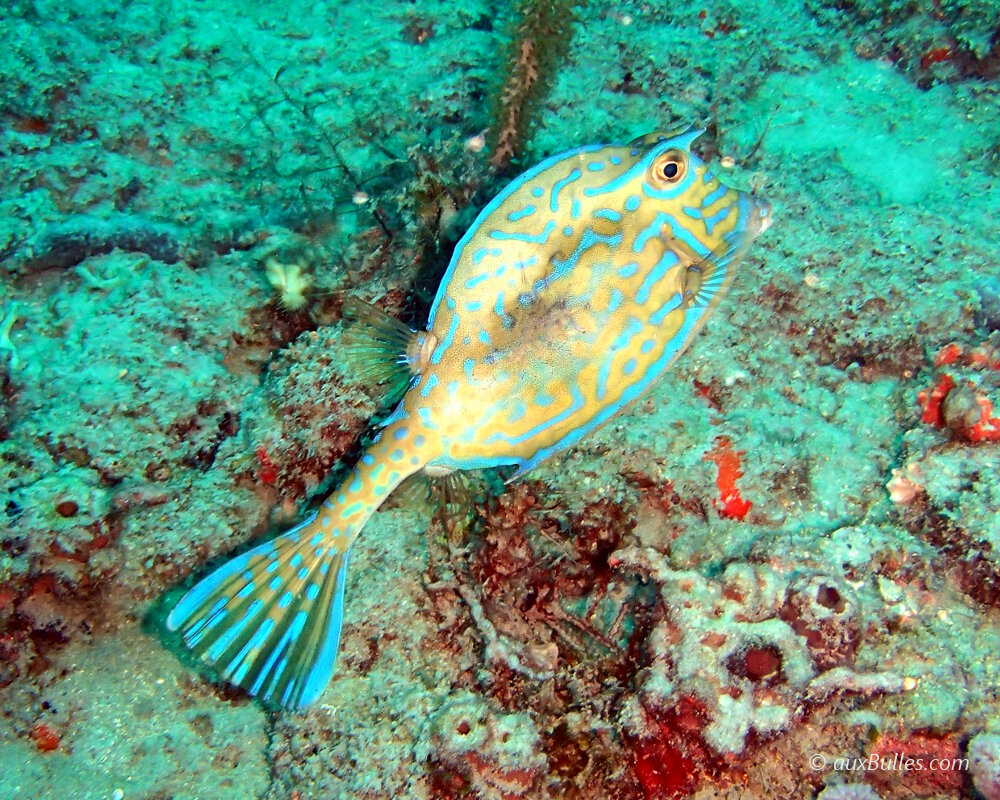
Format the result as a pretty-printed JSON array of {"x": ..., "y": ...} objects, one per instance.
[{"x": 573, "y": 291}]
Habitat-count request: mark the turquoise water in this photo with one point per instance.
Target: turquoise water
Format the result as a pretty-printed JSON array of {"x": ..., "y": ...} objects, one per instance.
[{"x": 778, "y": 565}]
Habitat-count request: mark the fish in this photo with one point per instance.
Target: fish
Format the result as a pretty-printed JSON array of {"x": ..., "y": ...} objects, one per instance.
[{"x": 572, "y": 292}]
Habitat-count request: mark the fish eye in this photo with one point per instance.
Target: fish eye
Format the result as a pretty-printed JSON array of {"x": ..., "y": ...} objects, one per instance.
[{"x": 670, "y": 168}]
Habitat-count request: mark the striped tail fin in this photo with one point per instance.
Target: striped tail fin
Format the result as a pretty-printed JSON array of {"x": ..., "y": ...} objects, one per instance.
[{"x": 269, "y": 620}]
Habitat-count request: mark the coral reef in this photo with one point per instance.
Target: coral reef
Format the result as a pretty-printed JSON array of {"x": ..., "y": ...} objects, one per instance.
[
  {"x": 750, "y": 649},
  {"x": 788, "y": 548},
  {"x": 497, "y": 755},
  {"x": 984, "y": 764},
  {"x": 941, "y": 40}
]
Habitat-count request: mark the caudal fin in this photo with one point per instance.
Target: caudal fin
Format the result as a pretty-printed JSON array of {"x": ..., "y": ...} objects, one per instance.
[{"x": 269, "y": 620}]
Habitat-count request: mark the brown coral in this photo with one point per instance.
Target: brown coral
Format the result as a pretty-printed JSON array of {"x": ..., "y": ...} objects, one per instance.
[{"x": 540, "y": 41}]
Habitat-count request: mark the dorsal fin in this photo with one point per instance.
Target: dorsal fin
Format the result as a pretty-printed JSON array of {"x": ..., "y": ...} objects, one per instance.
[{"x": 379, "y": 347}]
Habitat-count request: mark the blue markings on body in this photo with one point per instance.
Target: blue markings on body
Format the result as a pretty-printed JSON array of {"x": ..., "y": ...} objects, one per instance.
[
  {"x": 484, "y": 337},
  {"x": 647, "y": 345},
  {"x": 568, "y": 231},
  {"x": 632, "y": 202},
  {"x": 429, "y": 384},
  {"x": 651, "y": 231},
  {"x": 595, "y": 166},
  {"x": 620, "y": 342},
  {"x": 543, "y": 398},
  {"x": 425, "y": 417},
  {"x": 575, "y": 209},
  {"x": 482, "y": 252},
  {"x": 602, "y": 379},
  {"x": 473, "y": 305},
  {"x": 667, "y": 260},
  {"x": 527, "y": 211},
  {"x": 525, "y": 263},
  {"x": 616, "y": 160},
  {"x": 628, "y": 270},
  {"x": 558, "y": 186},
  {"x": 674, "y": 347},
  {"x": 354, "y": 508},
  {"x": 400, "y": 433},
  {"x": 587, "y": 241},
  {"x": 629, "y": 175},
  {"x": 660, "y": 314},
  {"x": 518, "y": 412},
  {"x": 468, "y": 365},
  {"x": 443, "y": 345},
  {"x": 475, "y": 280},
  {"x": 616, "y": 300},
  {"x": 505, "y": 319},
  {"x": 572, "y": 408},
  {"x": 713, "y": 196},
  {"x": 608, "y": 213},
  {"x": 715, "y": 219},
  {"x": 677, "y": 230},
  {"x": 515, "y": 186},
  {"x": 531, "y": 238}
]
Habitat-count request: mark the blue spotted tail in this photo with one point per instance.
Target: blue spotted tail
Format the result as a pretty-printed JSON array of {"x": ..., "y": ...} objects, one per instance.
[{"x": 269, "y": 620}]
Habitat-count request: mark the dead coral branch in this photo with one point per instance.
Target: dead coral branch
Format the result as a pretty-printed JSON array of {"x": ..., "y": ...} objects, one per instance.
[{"x": 540, "y": 42}]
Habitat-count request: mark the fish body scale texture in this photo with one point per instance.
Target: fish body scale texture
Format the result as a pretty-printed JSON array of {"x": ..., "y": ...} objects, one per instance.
[{"x": 574, "y": 290}]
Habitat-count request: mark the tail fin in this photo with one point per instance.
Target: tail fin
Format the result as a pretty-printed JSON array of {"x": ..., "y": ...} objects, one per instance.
[{"x": 270, "y": 618}]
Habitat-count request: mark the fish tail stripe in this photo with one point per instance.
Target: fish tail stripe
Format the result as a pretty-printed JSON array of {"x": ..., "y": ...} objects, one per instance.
[
  {"x": 280, "y": 639},
  {"x": 271, "y": 618}
]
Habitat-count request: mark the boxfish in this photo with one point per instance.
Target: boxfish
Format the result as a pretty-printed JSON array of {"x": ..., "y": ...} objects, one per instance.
[{"x": 573, "y": 291}]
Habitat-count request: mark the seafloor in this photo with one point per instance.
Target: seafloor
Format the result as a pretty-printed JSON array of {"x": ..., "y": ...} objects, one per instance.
[{"x": 774, "y": 577}]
